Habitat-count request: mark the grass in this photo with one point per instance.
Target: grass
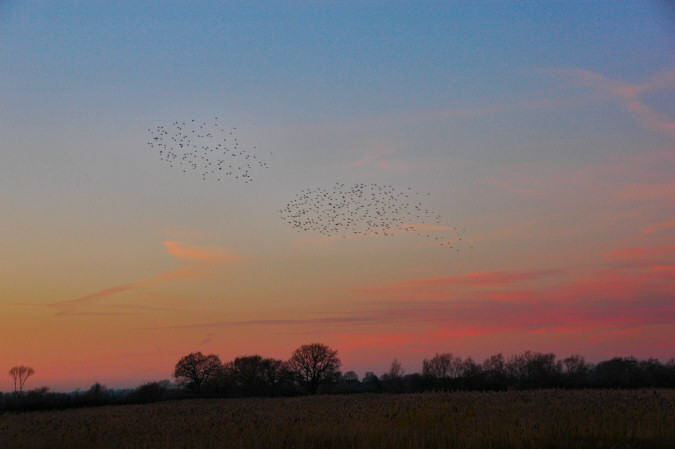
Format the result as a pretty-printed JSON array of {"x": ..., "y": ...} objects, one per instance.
[{"x": 513, "y": 419}]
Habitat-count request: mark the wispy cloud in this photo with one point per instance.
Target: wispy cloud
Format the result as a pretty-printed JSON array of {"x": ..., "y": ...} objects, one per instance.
[
  {"x": 619, "y": 181},
  {"x": 201, "y": 261},
  {"x": 620, "y": 295},
  {"x": 380, "y": 155},
  {"x": 369, "y": 159},
  {"x": 639, "y": 191},
  {"x": 612, "y": 299},
  {"x": 482, "y": 278},
  {"x": 659, "y": 227},
  {"x": 641, "y": 252},
  {"x": 435, "y": 286},
  {"x": 629, "y": 95},
  {"x": 326, "y": 321},
  {"x": 186, "y": 251},
  {"x": 101, "y": 294},
  {"x": 511, "y": 187}
]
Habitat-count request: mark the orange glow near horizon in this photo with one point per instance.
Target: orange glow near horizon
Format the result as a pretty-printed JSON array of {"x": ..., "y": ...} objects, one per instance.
[{"x": 409, "y": 320}]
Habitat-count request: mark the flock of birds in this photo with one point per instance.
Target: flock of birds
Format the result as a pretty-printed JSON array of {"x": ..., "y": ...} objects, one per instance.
[
  {"x": 213, "y": 152},
  {"x": 366, "y": 209},
  {"x": 207, "y": 149}
]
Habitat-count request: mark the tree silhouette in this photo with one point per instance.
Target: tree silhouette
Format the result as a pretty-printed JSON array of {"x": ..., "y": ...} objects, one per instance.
[
  {"x": 494, "y": 371},
  {"x": 248, "y": 373},
  {"x": 97, "y": 394},
  {"x": 195, "y": 370},
  {"x": 442, "y": 366},
  {"x": 618, "y": 372},
  {"x": 574, "y": 370},
  {"x": 275, "y": 373},
  {"x": 350, "y": 376},
  {"x": 20, "y": 374},
  {"x": 393, "y": 380},
  {"x": 396, "y": 370},
  {"x": 314, "y": 364},
  {"x": 533, "y": 369},
  {"x": 371, "y": 381}
]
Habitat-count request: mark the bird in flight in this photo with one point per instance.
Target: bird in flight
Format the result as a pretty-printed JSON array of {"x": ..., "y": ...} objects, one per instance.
[
  {"x": 203, "y": 149},
  {"x": 366, "y": 209}
]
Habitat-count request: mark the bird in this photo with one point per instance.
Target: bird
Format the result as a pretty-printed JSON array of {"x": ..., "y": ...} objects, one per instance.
[
  {"x": 199, "y": 147},
  {"x": 362, "y": 209}
]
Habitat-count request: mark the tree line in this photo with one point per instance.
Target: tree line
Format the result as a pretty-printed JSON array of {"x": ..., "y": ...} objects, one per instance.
[{"x": 315, "y": 369}]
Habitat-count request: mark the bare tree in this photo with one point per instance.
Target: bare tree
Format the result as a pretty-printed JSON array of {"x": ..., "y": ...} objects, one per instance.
[
  {"x": 20, "y": 374},
  {"x": 248, "y": 372},
  {"x": 196, "y": 369},
  {"x": 442, "y": 366},
  {"x": 469, "y": 368},
  {"x": 393, "y": 380},
  {"x": 396, "y": 370},
  {"x": 255, "y": 375},
  {"x": 574, "y": 365},
  {"x": 314, "y": 364},
  {"x": 495, "y": 365},
  {"x": 275, "y": 373},
  {"x": 574, "y": 370},
  {"x": 533, "y": 369}
]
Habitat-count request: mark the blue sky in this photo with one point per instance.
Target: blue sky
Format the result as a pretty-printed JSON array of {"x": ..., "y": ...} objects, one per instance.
[{"x": 325, "y": 58}]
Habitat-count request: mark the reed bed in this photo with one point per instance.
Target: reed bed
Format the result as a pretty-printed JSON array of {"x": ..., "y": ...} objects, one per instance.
[{"x": 512, "y": 419}]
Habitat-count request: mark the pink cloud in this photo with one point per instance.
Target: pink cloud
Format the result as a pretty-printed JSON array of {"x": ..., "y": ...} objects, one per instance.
[
  {"x": 201, "y": 260},
  {"x": 185, "y": 273},
  {"x": 186, "y": 251},
  {"x": 355, "y": 341},
  {"x": 482, "y": 278},
  {"x": 431, "y": 286},
  {"x": 623, "y": 182},
  {"x": 617, "y": 296},
  {"x": 629, "y": 95},
  {"x": 398, "y": 166},
  {"x": 659, "y": 227},
  {"x": 641, "y": 252},
  {"x": 381, "y": 163},
  {"x": 288, "y": 322},
  {"x": 371, "y": 158},
  {"x": 648, "y": 191},
  {"x": 497, "y": 307},
  {"x": 103, "y": 293},
  {"x": 503, "y": 185},
  {"x": 465, "y": 112}
]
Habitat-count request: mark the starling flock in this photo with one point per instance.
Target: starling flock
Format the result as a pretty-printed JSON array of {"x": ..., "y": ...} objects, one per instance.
[
  {"x": 207, "y": 149},
  {"x": 213, "y": 152},
  {"x": 365, "y": 209}
]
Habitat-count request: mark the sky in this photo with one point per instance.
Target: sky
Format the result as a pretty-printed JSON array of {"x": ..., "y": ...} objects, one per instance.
[{"x": 545, "y": 131}]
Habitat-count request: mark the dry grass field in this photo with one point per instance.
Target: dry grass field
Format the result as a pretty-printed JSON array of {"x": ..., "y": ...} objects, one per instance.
[{"x": 514, "y": 419}]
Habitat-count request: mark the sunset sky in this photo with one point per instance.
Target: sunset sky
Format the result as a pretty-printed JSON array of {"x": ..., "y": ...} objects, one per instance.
[{"x": 546, "y": 130}]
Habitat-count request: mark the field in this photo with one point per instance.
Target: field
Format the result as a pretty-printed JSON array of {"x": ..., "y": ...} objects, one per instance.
[{"x": 514, "y": 419}]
